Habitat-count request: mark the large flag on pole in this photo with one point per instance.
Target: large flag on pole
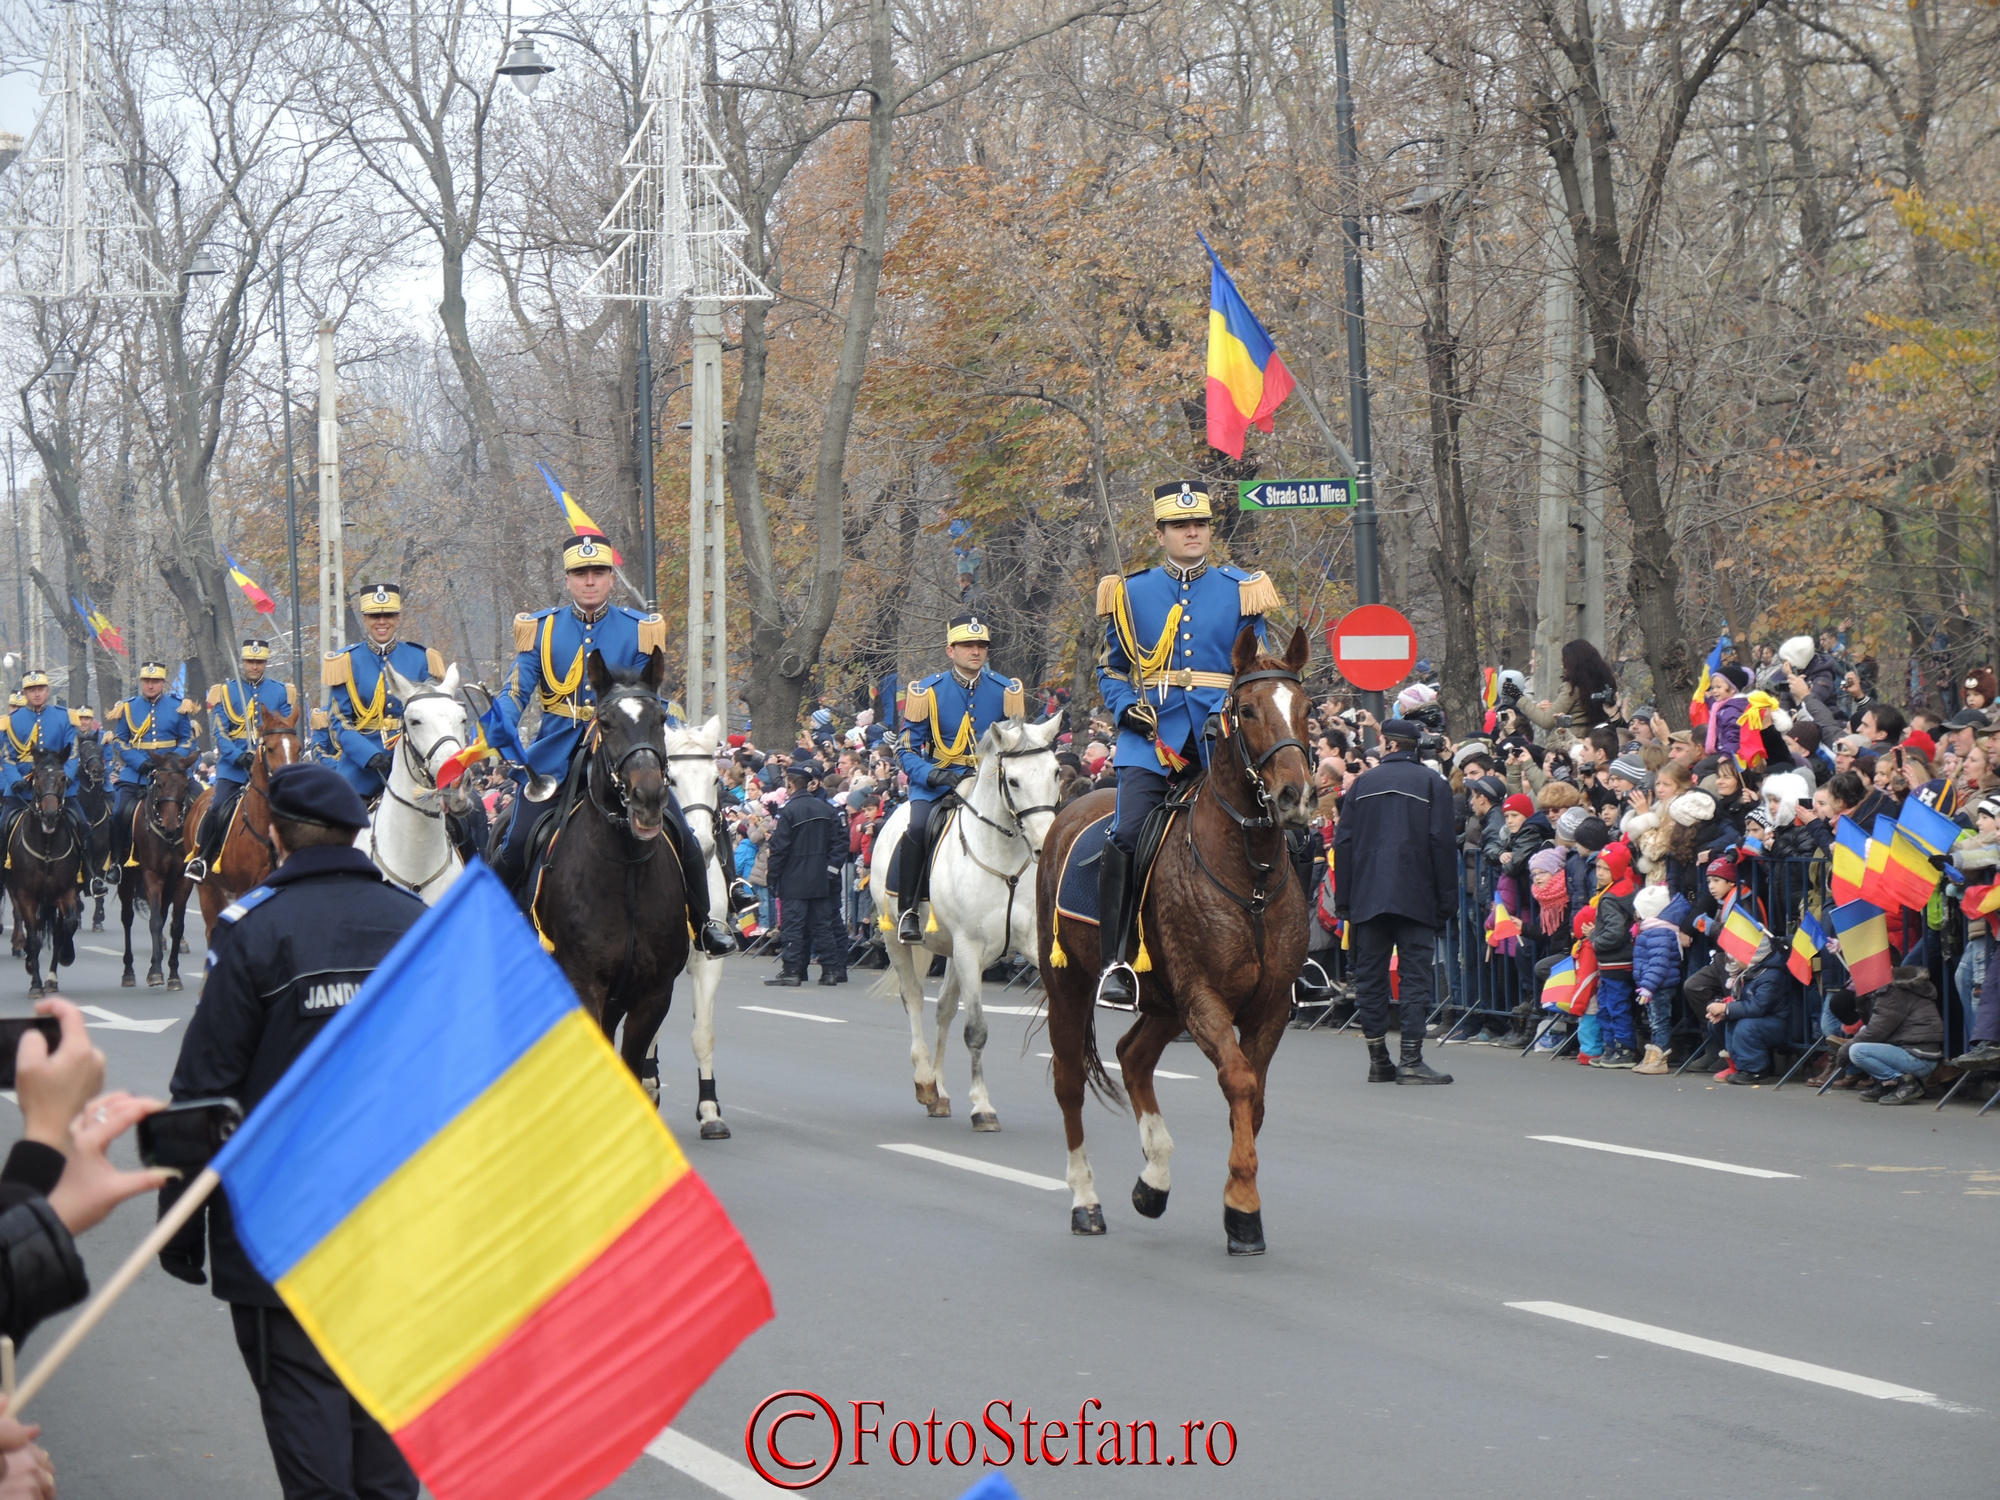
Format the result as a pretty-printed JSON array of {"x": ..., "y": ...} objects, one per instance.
[
  {"x": 579, "y": 520},
  {"x": 482, "y": 1223},
  {"x": 1247, "y": 381},
  {"x": 260, "y": 601}
]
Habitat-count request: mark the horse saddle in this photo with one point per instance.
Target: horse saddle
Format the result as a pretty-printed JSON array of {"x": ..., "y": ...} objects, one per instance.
[
  {"x": 941, "y": 819},
  {"x": 1076, "y": 887},
  {"x": 550, "y": 815}
]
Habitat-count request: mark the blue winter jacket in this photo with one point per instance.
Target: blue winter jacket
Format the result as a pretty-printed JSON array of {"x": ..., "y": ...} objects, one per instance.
[
  {"x": 1656, "y": 949},
  {"x": 1764, "y": 990}
]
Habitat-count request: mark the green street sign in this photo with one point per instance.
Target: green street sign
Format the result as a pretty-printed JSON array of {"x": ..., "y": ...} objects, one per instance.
[{"x": 1293, "y": 494}]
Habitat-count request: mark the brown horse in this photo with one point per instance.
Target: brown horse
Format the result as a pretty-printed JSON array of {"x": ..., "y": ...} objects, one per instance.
[
  {"x": 46, "y": 857},
  {"x": 156, "y": 866},
  {"x": 247, "y": 855},
  {"x": 1223, "y": 920}
]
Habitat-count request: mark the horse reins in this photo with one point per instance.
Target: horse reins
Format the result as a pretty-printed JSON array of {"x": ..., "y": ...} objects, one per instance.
[
  {"x": 419, "y": 767},
  {"x": 1259, "y": 900},
  {"x": 1019, "y": 831}
]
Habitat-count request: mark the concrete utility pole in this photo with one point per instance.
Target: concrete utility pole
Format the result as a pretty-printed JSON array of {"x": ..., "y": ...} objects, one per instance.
[
  {"x": 1590, "y": 508},
  {"x": 35, "y": 631},
  {"x": 1555, "y": 458},
  {"x": 332, "y": 565},
  {"x": 708, "y": 559}
]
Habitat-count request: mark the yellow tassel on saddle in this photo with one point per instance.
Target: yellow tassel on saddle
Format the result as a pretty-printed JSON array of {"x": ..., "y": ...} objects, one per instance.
[
  {"x": 930, "y": 924},
  {"x": 1142, "y": 961},
  {"x": 884, "y": 923},
  {"x": 1057, "y": 958},
  {"x": 131, "y": 861}
]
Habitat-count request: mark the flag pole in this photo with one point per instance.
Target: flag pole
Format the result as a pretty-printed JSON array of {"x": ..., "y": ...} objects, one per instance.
[{"x": 169, "y": 1225}]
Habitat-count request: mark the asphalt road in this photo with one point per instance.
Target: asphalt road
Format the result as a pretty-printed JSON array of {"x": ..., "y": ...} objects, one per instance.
[{"x": 1377, "y": 1350}]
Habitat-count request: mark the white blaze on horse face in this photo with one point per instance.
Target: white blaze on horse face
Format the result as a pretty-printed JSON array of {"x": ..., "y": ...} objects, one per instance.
[
  {"x": 1159, "y": 1149},
  {"x": 1282, "y": 696},
  {"x": 634, "y": 709}
]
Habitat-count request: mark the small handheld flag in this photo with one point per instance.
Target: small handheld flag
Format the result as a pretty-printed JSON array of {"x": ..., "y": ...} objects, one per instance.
[
  {"x": 1565, "y": 990},
  {"x": 1850, "y": 861},
  {"x": 1698, "y": 705},
  {"x": 1504, "y": 926},
  {"x": 449, "y": 773},
  {"x": 1980, "y": 900},
  {"x": 579, "y": 520},
  {"x": 1864, "y": 945},
  {"x": 1740, "y": 934},
  {"x": 1247, "y": 381},
  {"x": 1808, "y": 938},
  {"x": 1927, "y": 828},
  {"x": 260, "y": 601},
  {"x": 1909, "y": 872}
]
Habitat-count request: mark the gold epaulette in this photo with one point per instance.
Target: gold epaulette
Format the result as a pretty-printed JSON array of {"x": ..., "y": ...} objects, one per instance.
[
  {"x": 215, "y": 692},
  {"x": 915, "y": 697},
  {"x": 320, "y": 719},
  {"x": 291, "y": 697},
  {"x": 117, "y": 712},
  {"x": 336, "y": 670},
  {"x": 524, "y": 632},
  {"x": 652, "y": 634},
  {"x": 76, "y": 718},
  {"x": 1257, "y": 595},
  {"x": 1014, "y": 703},
  {"x": 434, "y": 658},
  {"x": 1107, "y": 593},
  {"x": 188, "y": 706}
]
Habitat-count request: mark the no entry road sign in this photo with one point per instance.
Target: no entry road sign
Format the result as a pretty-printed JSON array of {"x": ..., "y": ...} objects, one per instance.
[{"x": 1373, "y": 646}]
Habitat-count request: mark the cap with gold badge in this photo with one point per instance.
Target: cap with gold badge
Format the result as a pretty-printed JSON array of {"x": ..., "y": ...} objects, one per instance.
[
  {"x": 34, "y": 679},
  {"x": 586, "y": 551},
  {"x": 380, "y": 599},
  {"x": 1182, "y": 500},
  {"x": 153, "y": 671},
  {"x": 967, "y": 629},
  {"x": 256, "y": 650}
]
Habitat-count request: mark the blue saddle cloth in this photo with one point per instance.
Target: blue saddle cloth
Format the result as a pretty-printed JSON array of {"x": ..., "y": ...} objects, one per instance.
[{"x": 1076, "y": 892}]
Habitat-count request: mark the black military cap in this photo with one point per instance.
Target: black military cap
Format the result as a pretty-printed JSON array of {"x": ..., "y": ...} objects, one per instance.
[
  {"x": 805, "y": 770},
  {"x": 1402, "y": 729},
  {"x": 316, "y": 794}
]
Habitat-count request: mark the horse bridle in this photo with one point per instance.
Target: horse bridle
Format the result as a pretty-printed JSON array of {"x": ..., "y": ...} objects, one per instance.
[
  {"x": 713, "y": 809},
  {"x": 1018, "y": 814},
  {"x": 1254, "y": 770},
  {"x": 419, "y": 763},
  {"x": 154, "y": 800},
  {"x": 616, "y": 769}
]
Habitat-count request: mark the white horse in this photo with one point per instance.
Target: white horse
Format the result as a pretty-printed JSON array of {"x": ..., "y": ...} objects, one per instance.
[
  {"x": 407, "y": 838},
  {"x": 697, "y": 787},
  {"x": 982, "y": 904}
]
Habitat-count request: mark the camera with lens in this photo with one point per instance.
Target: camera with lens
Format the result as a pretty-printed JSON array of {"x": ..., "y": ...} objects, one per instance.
[
  {"x": 1605, "y": 695},
  {"x": 1427, "y": 714},
  {"x": 1430, "y": 746}
]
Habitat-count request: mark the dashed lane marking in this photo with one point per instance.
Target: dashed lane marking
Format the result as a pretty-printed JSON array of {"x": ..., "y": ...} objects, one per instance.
[
  {"x": 984, "y": 1168},
  {"x": 117, "y": 953},
  {"x": 1683, "y": 1161},
  {"x": 1157, "y": 1072},
  {"x": 796, "y": 1015},
  {"x": 1736, "y": 1354},
  {"x": 704, "y": 1465}
]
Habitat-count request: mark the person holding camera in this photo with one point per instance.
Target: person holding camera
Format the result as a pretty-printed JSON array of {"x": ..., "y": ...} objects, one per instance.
[
  {"x": 1587, "y": 696},
  {"x": 1396, "y": 882},
  {"x": 283, "y": 960}
]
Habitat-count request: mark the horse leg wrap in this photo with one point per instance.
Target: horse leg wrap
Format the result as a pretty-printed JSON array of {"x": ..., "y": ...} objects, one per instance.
[
  {"x": 1245, "y": 1230},
  {"x": 704, "y": 1091}
]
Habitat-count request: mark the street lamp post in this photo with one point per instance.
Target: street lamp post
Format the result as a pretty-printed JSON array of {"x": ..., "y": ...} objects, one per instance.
[
  {"x": 291, "y": 477},
  {"x": 1367, "y": 568}
]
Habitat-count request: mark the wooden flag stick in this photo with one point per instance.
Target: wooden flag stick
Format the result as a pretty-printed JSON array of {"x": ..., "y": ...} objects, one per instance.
[{"x": 150, "y": 1246}]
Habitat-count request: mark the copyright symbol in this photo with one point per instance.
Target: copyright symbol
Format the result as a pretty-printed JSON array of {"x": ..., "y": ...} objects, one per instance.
[{"x": 770, "y": 1444}]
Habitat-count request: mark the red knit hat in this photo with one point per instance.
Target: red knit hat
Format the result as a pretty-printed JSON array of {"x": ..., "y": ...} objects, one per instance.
[
  {"x": 1619, "y": 857},
  {"x": 1922, "y": 743},
  {"x": 1722, "y": 869},
  {"x": 1521, "y": 803}
]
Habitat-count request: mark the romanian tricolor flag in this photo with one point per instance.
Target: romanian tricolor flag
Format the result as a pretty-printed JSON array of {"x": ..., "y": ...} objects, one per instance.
[
  {"x": 1808, "y": 938},
  {"x": 1568, "y": 991},
  {"x": 1929, "y": 829},
  {"x": 1980, "y": 900},
  {"x": 108, "y": 635},
  {"x": 1850, "y": 860},
  {"x": 1878, "y": 886},
  {"x": 1739, "y": 934},
  {"x": 1909, "y": 872},
  {"x": 579, "y": 520},
  {"x": 465, "y": 760},
  {"x": 1247, "y": 381},
  {"x": 1698, "y": 705},
  {"x": 1864, "y": 945},
  {"x": 1504, "y": 926},
  {"x": 260, "y": 601},
  {"x": 481, "y": 1221}
]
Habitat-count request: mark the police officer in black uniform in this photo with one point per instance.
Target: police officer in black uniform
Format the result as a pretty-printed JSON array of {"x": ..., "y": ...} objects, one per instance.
[
  {"x": 282, "y": 961},
  {"x": 805, "y": 873}
]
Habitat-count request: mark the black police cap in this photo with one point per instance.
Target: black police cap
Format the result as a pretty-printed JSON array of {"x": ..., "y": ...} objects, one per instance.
[
  {"x": 316, "y": 794},
  {"x": 805, "y": 770},
  {"x": 1402, "y": 729}
]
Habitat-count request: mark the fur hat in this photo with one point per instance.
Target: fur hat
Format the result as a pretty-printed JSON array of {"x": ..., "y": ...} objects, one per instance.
[
  {"x": 1797, "y": 653},
  {"x": 1980, "y": 680},
  {"x": 1691, "y": 808},
  {"x": 1791, "y": 789},
  {"x": 1651, "y": 901},
  {"x": 1557, "y": 795}
]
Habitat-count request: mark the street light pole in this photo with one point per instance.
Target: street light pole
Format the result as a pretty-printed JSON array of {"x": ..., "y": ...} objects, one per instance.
[
  {"x": 20, "y": 576},
  {"x": 1367, "y": 568},
  {"x": 291, "y": 478},
  {"x": 645, "y": 398}
]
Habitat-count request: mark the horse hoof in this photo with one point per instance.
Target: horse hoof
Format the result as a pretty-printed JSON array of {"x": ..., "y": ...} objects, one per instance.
[
  {"x": 174, "y": 982},
  {"x": 985, "y": 1120},
  {"x": 939, "y": 1108},
  {"x": 129, "y": 982},
  {"x": 714, "y": 1130},
  {"x": 1245, "y": 1231},
  {"x": 97, "y": 927},
  {"x": 1149, "y": 1200},
  {"x": 154, "y": 979},
  {"x": 926, "y": 1093},
  {"x": 1087, "y": 1220},
  {"x": 34, "y": 992}
]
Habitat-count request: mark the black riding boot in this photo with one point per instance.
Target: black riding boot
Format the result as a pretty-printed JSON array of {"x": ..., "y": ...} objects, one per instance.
[
  {"x": 214, "y": 829},
  {"x": 715, "y": 937},
  {"x": 1380, "y": 1069},
  {"x": 88, "y": 874},
  {"x": 741, "y": 898},
  {"x": 1414, "y": 1069},
  {"x": 909, "y": 882},
  {"x": 1118, "y": 986}
]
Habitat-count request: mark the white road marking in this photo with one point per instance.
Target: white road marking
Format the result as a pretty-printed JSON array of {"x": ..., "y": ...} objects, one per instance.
[
  {"x": 796, "y": 1015},
  {"x": 1736, "y": 1354},
  {"x": 984, "y": 1168},
  {"x": 117, "y": 953},
  {"x": 1685, "y": 1161},
  {"x": 704, "y": 1465},
  {"x": 1157, "y": 1072},
  {"x": 996, "y": 1010},
  {"x": 110, "y": 1020}
]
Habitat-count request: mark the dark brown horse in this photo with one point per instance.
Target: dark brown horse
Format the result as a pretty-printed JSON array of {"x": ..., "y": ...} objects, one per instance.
[
  {"x": 1223, "y": 920},
  {"x": 247, "y": 855},
  {"x": 46, "y": 856},
  {"x": 156, "y": 866},
  {"x": 609, "y": 897}
]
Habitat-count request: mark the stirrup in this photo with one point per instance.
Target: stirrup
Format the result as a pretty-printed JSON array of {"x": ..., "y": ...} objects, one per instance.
[
  {"x": 1104, "y": 979},
  {"x": 741, "y": 897},
  {"x": 909, "y": 929},
  {"x": 196, "y": 869},
  {"x": 716, "y": 940}
]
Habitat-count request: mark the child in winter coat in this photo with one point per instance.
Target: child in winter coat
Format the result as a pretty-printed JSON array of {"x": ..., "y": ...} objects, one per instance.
[
  {"x": 1611, "y": 942},
  {"x": 1657, "y": 945}
]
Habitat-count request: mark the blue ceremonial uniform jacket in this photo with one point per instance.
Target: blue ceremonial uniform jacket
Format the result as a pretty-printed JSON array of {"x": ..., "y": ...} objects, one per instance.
[
  {"x": 1168, "y": 635},
  {"x": 136, "y": 729},
  {"x": 234, "y": 718},
  {"x": 364, "y": 713},
  {"x": 554, "y": 645},
  {"x": 27, "y": 730},
  {"x": 943, "y": 720}
]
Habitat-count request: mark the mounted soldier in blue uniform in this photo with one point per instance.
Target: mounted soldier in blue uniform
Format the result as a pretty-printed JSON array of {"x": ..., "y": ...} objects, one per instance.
[
  {"x": 943, "y": 717},
  {"x": 37, "y": 724},
  {"x": 1164, "y": 669},
  {"x": 147, "y": 724},
  {"x": 235, "y": 710},
  {"x": 364, "y": 712},
  {"x": 550, "y": 673}
]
